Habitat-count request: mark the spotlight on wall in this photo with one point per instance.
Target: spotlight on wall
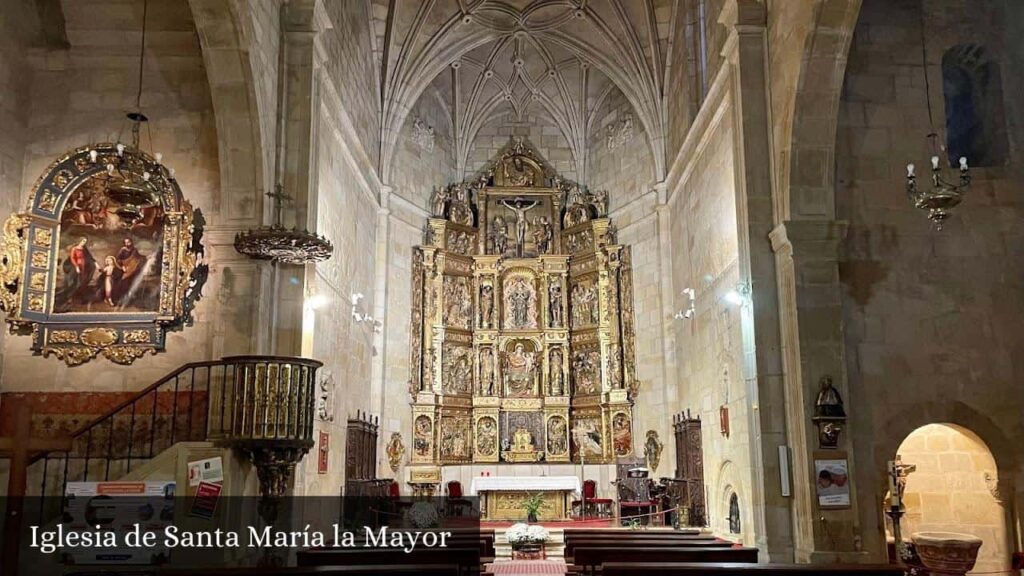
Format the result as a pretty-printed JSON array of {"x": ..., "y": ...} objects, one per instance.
[
  {"x": 691, "y": 308},
  {"x": 317, "y": 301},
  {"x": 738, "y": 296}
]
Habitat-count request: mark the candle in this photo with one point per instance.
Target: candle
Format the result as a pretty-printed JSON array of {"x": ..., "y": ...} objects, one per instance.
[
  {"x": 910, "y": 170},
  {"x": 935, "y": 162}
]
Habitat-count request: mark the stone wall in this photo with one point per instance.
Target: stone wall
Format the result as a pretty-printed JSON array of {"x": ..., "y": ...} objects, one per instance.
[
  {"x": 539, "y": 132},
  {"x": 932, "y": 317},
  {"x": 619, "y": 157},
  {"x": 709, "y": 346},
  {"x": 420, "y": 167}
]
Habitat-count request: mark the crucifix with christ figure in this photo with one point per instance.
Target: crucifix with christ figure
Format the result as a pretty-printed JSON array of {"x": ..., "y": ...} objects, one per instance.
[{"x": 520, "y": 207}]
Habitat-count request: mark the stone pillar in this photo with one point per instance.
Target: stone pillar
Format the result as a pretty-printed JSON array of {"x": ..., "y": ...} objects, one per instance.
[
  {"x": 295, "y": 169},
  {"x": 806, "y": 253},
  {"x": 745, "y": 52}
]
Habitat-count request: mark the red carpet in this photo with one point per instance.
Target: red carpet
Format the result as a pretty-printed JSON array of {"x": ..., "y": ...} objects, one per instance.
[{"x": 516, "y": 567}]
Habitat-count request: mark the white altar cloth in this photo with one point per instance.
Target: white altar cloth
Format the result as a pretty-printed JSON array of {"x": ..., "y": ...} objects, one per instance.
[{"x": 523, "y": 483}]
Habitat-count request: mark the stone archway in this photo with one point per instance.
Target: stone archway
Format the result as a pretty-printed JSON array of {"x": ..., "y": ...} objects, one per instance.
[
  {"x": 227, "y": 39},
  {"x": 806, "y": 155},
  {"x": 954, "y": 488}
]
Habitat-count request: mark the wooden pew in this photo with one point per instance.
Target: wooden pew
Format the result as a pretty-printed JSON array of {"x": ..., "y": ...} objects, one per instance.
[
  {"x": 738, "y": 569},
  {"x": 466, "y": 558},
  {"x": 381, "y": 569},
  {"x": 571, "y": 545},
  {"x": 590, "y": 559}
]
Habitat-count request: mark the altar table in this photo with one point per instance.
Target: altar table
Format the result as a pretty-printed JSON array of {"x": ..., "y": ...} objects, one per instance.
[{"x": 501, "y": 497}]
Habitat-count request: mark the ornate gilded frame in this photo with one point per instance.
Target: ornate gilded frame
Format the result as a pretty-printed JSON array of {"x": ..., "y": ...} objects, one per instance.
[{"x": 30, "y": 257}]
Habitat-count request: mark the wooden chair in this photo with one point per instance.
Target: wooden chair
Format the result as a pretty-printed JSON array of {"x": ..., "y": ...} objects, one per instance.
[
  {"x": 635, "y": 500},
  {"x": 601, "y": 507},
  {"x": 456, "y": 504}
]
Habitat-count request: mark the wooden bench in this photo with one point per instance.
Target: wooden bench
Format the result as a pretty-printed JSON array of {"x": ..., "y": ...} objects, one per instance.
[
  {"x": 590, "y": 559},
  {"x": 382, "y": 569},
  {"x": 738, "y": 569},
  {"x": 571, "y": 545},
  {"x": 467, "y": 558}
]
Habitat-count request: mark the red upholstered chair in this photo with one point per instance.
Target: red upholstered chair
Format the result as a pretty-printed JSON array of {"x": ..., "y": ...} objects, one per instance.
[
  {"x": 599, "y": 506},
  {"x": 456, "y": 503},
  {"x": 394, "y": 490}
]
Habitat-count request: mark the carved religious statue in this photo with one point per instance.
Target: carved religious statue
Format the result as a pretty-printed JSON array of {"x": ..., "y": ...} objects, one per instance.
[
  {"x": 520, "y": 369},
  {"x": 555, "y": 377},
  {"x": 486, "y": 305},
  {"x": 555, "y": 303},
  {"x": 438, "y": 202},
  {"x": 542, "y": 235},
  {"x": 622, "y": 435},
  {"x": 520, "y": 207},
  {"x": 557, "y": 439},
  {"x": 499, "y": 236},
  {"x": 652, "y": 450},
  {"x": 486, "y": 372}
]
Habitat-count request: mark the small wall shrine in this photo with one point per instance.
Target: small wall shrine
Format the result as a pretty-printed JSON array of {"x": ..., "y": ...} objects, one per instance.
[{"x": 522, "y": 323}]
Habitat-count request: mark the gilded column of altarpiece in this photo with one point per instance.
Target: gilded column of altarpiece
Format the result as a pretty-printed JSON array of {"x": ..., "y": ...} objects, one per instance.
[{"x": 522, "y": 334}]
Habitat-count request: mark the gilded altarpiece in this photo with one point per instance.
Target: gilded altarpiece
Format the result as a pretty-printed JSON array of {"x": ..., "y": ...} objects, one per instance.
[{"x": 522, "y": 340}]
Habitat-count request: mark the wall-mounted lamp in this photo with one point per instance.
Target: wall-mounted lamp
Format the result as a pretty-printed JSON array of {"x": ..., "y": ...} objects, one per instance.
[
  {"x": 738, "y": 296},
  {"x": 691, "y": 308},
  {"x": 360, "y": 316}
]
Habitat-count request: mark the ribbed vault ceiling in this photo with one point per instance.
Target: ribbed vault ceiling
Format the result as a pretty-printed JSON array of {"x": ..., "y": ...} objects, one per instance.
[{"x": 559, "y": 59}]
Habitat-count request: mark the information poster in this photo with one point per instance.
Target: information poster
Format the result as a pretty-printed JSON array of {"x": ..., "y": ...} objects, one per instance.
[{"x": 117, "y": 507}]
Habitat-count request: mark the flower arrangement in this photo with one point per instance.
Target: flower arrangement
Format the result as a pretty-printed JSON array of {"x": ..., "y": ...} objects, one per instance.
[
  {"x": 527, "y": 534},
  {"x": 423, "y": 515}
]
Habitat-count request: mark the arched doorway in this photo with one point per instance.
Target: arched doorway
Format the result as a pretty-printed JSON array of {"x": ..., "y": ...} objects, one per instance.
[{"x": 954, "y": 488}]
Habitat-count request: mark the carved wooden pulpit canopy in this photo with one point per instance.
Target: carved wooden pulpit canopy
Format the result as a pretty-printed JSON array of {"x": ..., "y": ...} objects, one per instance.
[{"x": 522, "y": 322}]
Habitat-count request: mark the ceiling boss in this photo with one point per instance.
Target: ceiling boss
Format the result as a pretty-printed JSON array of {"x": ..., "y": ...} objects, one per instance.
[{"x": 523, "y": 322}]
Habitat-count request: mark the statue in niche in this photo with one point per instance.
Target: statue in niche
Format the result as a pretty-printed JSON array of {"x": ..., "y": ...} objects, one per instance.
[
  {"x": 557, "y": 437},
  {"x": 622, "y": 435},
  {"x": 520, "y": 207},
  {"x": 439, "y": 201},
  {"x": 520, "y": 304},
  {"x": 459, "y": 210},
  {"x": 614, "y": 368},
  {"x": 423, "y": 436},
  {"x": 395, "y": 451},
  {"x": 499, "y": 235},
  {"x": 555, "y": 377},
  {"x": 576, "y": 211},
  {"x": 486, "y": 436},
  {"x": 520, "y": 369},
  {"x": 555, "y": 303},
  {"x": 486, "y": 305},
  {"x": 542, "y": 234},
  {"x": 486, "y": 372}
]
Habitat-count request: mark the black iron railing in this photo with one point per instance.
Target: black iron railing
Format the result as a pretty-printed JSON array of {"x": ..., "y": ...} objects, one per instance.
[{"x": 233, "y": 399}]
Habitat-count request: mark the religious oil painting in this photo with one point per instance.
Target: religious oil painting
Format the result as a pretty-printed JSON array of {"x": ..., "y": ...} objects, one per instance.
[{"x": 111, "y": 237}]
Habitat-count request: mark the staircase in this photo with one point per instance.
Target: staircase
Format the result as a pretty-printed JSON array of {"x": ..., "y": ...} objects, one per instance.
[{"x": 238, "y": 399}]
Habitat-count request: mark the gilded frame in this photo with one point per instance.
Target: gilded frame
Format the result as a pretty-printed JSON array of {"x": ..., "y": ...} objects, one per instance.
[{"x": 30, "y": 256}]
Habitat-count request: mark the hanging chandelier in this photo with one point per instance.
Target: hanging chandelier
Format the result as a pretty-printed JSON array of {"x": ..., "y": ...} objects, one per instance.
[
  {"x": 283, "y": 245},
  {"x": 939, "y": 197}
]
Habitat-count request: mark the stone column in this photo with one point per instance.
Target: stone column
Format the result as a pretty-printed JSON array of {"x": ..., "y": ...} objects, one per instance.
[
  {"x": 745, "y": 52},
  {"x": 806, "y": 253}
]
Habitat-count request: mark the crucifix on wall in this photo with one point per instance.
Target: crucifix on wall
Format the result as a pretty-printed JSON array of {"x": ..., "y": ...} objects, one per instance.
[{"x": 520, "y": 207}]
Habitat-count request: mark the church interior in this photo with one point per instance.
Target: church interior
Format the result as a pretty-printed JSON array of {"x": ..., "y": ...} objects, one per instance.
[{"x": 690, "y": 284}]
